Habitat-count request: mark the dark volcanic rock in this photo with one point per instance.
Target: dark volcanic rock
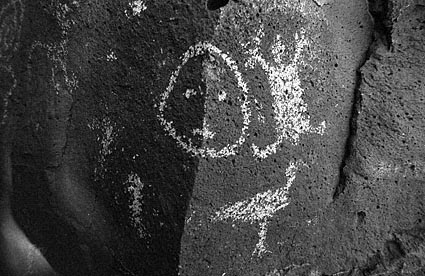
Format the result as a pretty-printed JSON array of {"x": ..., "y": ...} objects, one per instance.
[
  {"x": 386, "y": 168},
  {"x": 266, "y": 210},
  {"x": 270, "y": 137},
  {"x": 97, "y": 183}
]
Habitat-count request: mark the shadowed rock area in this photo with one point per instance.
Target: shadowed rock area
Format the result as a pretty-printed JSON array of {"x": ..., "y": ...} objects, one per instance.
[
  {"x": 183, "y": 137},
  {"x": 96, "y": 183}
]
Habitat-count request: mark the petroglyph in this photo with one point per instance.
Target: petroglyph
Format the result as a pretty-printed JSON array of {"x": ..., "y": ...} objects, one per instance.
[
  {"x": 58, "y": 53},
  {"x": 61, "y": 12},
  {"x": 260, "y": 208},
  {"x": 186, "y": 142},
  {"x": 291, "y": 116},
  {"x": 135, "y": 187},
  {"x": 285, "y": 85},
  {"x": 106, "y": 138}
]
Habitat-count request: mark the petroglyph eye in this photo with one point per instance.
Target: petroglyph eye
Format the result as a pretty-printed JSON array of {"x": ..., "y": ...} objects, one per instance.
[{"x": 190, "y": 92}]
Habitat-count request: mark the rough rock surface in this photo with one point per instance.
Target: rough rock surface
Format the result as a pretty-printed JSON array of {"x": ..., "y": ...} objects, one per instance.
[
  {"x": 97, "y": 184},
  {"x": 384, "y": 174},
  {"x": 270, "y": 137},
  {"x": 266, "y": 211}
]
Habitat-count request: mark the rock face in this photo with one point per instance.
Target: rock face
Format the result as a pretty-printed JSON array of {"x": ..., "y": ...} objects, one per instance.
[
  {"x": 384, "y": 174},
  {"x": 97, "y": 183},
  {"x": 269, "y": 137},
  {"x": 269, "y": 208}
]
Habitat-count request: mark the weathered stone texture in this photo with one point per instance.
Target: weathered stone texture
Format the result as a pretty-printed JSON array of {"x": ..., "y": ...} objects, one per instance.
[
  {"x": 268, "y": 138},
  {"x": 386, "y": 168},
  {"x": 241, "y": 221},
  {"x": 97, "y": 183}
]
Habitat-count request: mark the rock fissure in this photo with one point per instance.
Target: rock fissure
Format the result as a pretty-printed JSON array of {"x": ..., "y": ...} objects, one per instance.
[{"x": 379, "y": 12}]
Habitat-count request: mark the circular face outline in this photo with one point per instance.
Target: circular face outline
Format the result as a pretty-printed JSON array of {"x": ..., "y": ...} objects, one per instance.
[{"x": 186, "y": 142}]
